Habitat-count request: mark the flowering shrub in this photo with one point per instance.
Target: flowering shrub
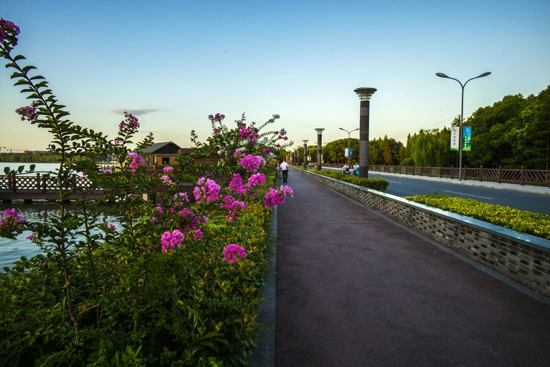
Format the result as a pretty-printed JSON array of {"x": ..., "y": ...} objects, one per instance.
[{"x": 158, "y": 288}]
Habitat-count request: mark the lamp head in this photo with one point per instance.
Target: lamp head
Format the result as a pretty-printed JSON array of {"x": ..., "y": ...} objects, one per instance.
[
  {"x": 441, "y": 75},
  {"x": 365, "y": 93},
  {"x": 484, "y": 74}
]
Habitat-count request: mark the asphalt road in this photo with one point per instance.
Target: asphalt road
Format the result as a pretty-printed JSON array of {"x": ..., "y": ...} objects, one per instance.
[{"x": 402, "y": 186}]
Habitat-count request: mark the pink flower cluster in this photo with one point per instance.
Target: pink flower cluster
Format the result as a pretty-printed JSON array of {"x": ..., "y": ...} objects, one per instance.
[
  {"x": 106, "y": 170},
  {"x": 167, "y": 180},
  {"x": 249, "y": 133},
  {"x": 137, "y": 160},
  {"x": 232, "y": 206},
  {"x": 277, "y": 197},
  {"x": 251, "y": 163},
  {"x": 230, "y": 253},
  {"x": 27, "y": 113},
  {"x": 257, "y": 179},
  {"x": 12, "y": 222},
  {"x": 170, "y": 240},
  {"x": 207, "y": 190},
  {"x": 130, "y": 125},
  {"x": 236, "y": 185},
  {"x": 218, "y": 117},
  {"x": 8, "y": 31}
]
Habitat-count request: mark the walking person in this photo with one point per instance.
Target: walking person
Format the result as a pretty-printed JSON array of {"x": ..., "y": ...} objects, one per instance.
[{"x": 284, "y": 169}]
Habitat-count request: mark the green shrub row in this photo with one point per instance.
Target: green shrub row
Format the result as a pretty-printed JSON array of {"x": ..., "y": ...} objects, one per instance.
[
  {"x": 537, "y": 224},
  {"x": 378, "y": 184}
]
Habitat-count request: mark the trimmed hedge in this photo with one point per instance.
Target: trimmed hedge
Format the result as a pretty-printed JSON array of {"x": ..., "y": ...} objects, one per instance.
[
  {"x": 378, "y": 184},
  {"x": 537, "y": 224}
]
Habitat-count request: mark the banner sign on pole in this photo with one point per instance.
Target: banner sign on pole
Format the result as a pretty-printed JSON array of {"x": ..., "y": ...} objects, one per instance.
[
  {"x": 350, "y": 152},
  {"x": 454, "y": 138},
  {"x": 467, "y": 138}
]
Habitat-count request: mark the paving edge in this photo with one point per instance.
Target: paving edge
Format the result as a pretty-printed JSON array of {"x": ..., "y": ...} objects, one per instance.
[{"x": 264, "y": 354}]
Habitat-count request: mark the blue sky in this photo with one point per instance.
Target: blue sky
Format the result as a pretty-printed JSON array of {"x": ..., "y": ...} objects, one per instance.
[{"x": 176, "y": 62}]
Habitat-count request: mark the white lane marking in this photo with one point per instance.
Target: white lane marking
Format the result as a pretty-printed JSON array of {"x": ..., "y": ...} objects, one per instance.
[{"x": 475, "y": 196}]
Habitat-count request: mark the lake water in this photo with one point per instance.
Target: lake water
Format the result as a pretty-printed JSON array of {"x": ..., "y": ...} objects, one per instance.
[
  {"x": 40, "y": 167},
  {"x": 12, "y": 250}
]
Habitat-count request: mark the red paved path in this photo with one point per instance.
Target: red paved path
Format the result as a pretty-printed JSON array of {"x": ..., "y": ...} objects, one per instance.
[{"x": 353, "y": 289}]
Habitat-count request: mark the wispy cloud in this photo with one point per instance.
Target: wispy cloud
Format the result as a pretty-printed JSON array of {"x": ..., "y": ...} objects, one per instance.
[{"x": 136, "y": 112}]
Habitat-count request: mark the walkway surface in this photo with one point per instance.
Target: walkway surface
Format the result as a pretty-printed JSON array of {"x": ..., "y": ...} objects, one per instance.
[{"x": 355, "y": 289}]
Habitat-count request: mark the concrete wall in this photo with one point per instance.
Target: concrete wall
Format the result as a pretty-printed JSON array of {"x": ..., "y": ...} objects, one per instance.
[{"x": 521, "y": 257}]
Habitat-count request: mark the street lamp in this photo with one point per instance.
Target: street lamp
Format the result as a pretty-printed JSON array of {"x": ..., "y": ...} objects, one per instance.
[
  {"x": 319, "y": 147},
  {"x": 305, "y": 153},
  {"x": 349, "y": 133},
  {"x": 364, "y": 96},
  {"x": 441, "y": 75}
]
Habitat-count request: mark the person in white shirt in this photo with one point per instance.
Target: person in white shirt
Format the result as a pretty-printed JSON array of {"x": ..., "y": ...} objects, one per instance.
[{"x": 284, "y": 169}]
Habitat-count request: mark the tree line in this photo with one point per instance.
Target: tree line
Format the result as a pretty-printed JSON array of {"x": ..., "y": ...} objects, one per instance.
[{"x": 512, "y": 133}]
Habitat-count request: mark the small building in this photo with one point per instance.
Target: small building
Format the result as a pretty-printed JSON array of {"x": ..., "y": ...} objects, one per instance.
[
  {"x": 164, "y": 154},
  {"x": 160, "y": 154}
]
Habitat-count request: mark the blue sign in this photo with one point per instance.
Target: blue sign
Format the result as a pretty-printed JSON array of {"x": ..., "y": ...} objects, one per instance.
[{"x": 350, "y": 152}]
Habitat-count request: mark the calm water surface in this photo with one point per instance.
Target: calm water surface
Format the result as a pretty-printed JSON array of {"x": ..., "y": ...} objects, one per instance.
[{"x": 12, "y": 250}]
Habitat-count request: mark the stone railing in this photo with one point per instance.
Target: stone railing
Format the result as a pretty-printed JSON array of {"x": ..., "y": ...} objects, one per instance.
[{"x": 521, "y": 257}]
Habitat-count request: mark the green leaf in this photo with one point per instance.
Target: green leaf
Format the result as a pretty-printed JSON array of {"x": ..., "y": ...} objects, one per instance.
[{"x": 19, "y": 57}]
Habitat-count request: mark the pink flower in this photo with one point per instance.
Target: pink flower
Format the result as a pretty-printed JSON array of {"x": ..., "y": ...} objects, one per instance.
[
  {"x": 27, "y": 113},
  {"x": 8, "y": 31},
  {"x": 206, "y": 190},
  {"x": 12, "y": 223},
  {"x": 251, "y": 163},
  {"x": 276, "y": 197},
  {"x": 130, "y": 125},
  {"x": 236, "y": 184},
  {"x": 198, "y": 235},
  {"x": 170, "y": 240},
  {"x": 167, "y": 169},
  {"x": 137, "y": 160},
  {"x": 230, "y": 253},
  {"x": 232, "y": 206},
  {"x": 257, "y": 179},
  {"x": 112, "y": 226}
]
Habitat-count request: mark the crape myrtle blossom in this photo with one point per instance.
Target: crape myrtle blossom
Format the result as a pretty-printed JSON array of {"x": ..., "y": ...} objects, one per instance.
[
  {"x": 170, "y": 240},
  {"x": 257, "y": 179},
  {"x": 130, "y": 125},
  {"x": 8, "y": 32},
  {"x": 251, "y": 163},
  {"x": 137, "y": 160},
  {"x": 27, "y": 113},
  {"x": 236, "y": 184},
  {"x": 232, "y": 206},
  {"x": 230, "y": 253},
  {"x": 12, "y": 223},
  {"x": 206, "y": 190},
  {"x": 277, "y": 197}
]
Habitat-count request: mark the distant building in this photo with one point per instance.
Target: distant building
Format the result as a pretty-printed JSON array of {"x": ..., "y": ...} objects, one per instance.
[{"x": 164, "y": 154}]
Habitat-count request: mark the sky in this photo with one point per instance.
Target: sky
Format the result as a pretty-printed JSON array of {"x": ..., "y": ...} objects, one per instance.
[{"x": 173, "y": 63}]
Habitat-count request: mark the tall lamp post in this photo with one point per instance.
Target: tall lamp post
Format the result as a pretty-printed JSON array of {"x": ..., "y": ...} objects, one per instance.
[
  {"x": 319, "y": 147},
  {"x": 441, "y": 75},
  {"x": 364, "y": 96},
  {"x": 305, "y": 153},
  {"x": 349, "y": 133}
]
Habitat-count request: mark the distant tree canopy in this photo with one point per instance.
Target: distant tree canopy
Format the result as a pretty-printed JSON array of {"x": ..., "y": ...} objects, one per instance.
[{"x": 511, "y": 133}]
